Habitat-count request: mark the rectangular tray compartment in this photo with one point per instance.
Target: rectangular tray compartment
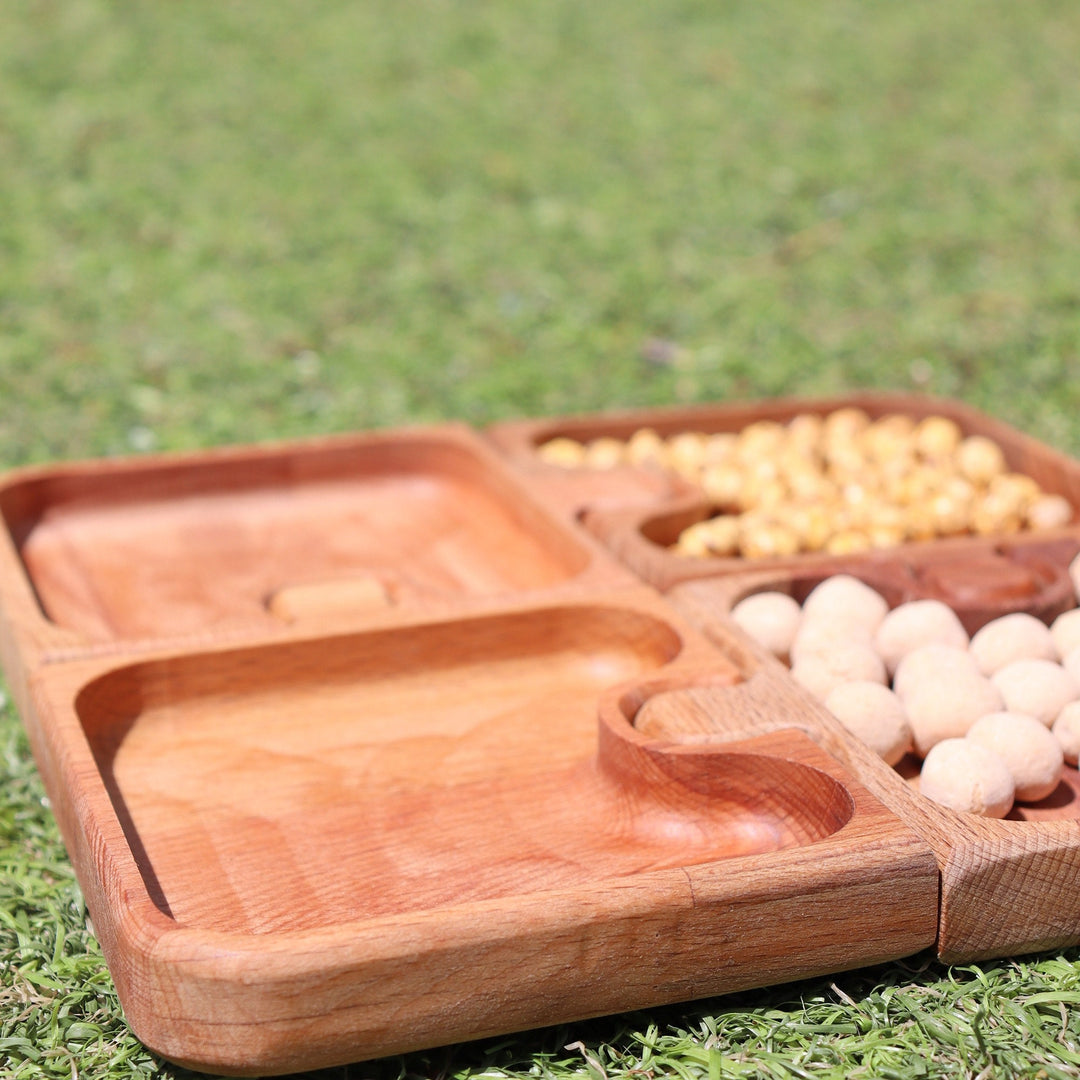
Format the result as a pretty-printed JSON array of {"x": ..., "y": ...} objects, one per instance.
[
  {"x": 307, "y": 852},
  {"x": 639, "y": 513},
  {"x": 243, "y": 542}
]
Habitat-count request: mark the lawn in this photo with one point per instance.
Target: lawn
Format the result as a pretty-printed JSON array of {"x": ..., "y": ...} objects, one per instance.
[{"x": 232, "y": 221}]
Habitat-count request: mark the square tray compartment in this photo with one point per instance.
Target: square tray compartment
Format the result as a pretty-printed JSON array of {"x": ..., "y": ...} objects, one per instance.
[
  {"x": 306, "y": 852},
  {"x": 110, "y": 556}
]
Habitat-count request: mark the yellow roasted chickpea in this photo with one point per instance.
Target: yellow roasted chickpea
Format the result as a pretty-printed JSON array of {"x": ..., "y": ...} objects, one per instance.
[
  {"x": 645, "y": 447},
  {"x": 811, "y": 524},
  {"x": 686, "y": 453},
  {"x": 760, "y": 439},
  {"x": 720, "y": 448},
  {"x": 980, "y": 459},
  {"x": 848, "y": 542},
  {"x": 722, "y": 484},
  {"x": 937, "y": 437},
  {"x": 1015, "y": 488},
  {"x": 767, "y": 538},
  {"x": 804, "y": 432},
  {"x": 992, "y": 514},
  {"x": 562, "y": 452},
  {"x": 722, "y": 534},
  {"x": 693, "y": 542},
  {"x": 604, "y": 453},
  {"x": 844, "y": 423}
]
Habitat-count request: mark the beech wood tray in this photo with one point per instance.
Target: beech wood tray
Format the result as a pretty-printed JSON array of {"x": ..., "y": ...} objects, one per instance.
[{"x": 366, "y": 744}]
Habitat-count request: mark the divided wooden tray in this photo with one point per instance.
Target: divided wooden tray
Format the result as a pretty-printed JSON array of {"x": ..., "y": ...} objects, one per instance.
[{"x": 366, "y": 744}]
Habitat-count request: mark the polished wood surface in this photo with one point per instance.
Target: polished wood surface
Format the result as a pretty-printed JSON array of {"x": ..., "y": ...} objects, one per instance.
[
  {"x": 368, "y": 744},
  {"x": 306, "y": 852}
]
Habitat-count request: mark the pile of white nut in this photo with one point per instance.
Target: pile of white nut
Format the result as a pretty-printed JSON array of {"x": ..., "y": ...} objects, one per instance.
[{"x": 993, "y": 717}]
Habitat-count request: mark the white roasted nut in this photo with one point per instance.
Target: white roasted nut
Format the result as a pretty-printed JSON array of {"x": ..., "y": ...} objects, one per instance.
[
  {"x": 1033, "y": 755},
  {"x": 1071, "y": 663},
  {"x": 822, "y": 636},
  {"x": 965, "y": 776},
  {"x": 846, "y": 600},
  {"x": 1012, "y": 637},
  {"x": 1066, "y": 730},
  {"x": 939, "y": 711},
  {"x": 821, "y": 673},
  {"x": 1074, "y": 575},
  {"x": 917, "y": 623},
  {"x": 770, "y": 618},
  {"x": 874, "y": 714},
  {"x": 931, "y": 665},
  {"x": 1065, "y": 630},
  {"x": 1038, "y": 688}
]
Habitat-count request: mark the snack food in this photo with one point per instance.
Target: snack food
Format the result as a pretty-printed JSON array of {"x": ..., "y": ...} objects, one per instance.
[
  {"x": 839, "y": 483},
  {"x": 965, "y": 776},
  {"x": 999, "y": 691}
]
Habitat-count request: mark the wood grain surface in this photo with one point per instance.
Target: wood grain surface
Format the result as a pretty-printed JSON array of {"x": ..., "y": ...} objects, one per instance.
[
  {"x": 367, "y": 744},
  {"x": 303, "y": 853}
]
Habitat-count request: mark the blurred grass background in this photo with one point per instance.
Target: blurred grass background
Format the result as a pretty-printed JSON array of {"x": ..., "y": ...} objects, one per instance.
[
  {"x": 231, "y": 221},
  {"x": 227, "y": 220}
]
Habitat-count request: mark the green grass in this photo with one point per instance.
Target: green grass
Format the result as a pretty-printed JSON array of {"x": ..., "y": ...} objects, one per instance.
[{"x": 235, "y": 220}]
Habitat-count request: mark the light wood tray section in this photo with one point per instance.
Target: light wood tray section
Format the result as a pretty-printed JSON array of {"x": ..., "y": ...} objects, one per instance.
[
  {"x": 114, "y": 556},
  {"x": 1007, "y": 887},
  {"x": 307, "y": 852},
  {"x": 639, "y": 513}
]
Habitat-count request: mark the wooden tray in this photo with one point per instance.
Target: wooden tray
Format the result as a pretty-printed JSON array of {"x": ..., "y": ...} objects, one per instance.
[
  {"x": 366, "y": 744},
  {"x": 302, "y": 853}
]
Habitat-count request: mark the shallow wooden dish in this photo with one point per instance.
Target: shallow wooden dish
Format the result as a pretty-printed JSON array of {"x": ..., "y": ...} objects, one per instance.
[
  {"x": 250, "y": 542},
  {"x": 307, "y": 852},
  {"x": 639, "y": 512}
]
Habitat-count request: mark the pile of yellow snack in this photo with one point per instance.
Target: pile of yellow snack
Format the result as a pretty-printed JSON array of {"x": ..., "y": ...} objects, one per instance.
[{"x": 839, "y": 483}]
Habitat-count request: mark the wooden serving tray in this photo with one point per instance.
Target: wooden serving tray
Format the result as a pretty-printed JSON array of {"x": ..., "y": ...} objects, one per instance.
[
  {"x": 301, "y": 853},
  {"x": 366, "y": 744}
]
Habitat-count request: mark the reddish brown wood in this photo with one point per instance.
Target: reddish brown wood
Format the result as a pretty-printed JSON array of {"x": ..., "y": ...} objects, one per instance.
[
  {"x": 303, "y": 853},
  {"x": 365, "y": 744}
]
